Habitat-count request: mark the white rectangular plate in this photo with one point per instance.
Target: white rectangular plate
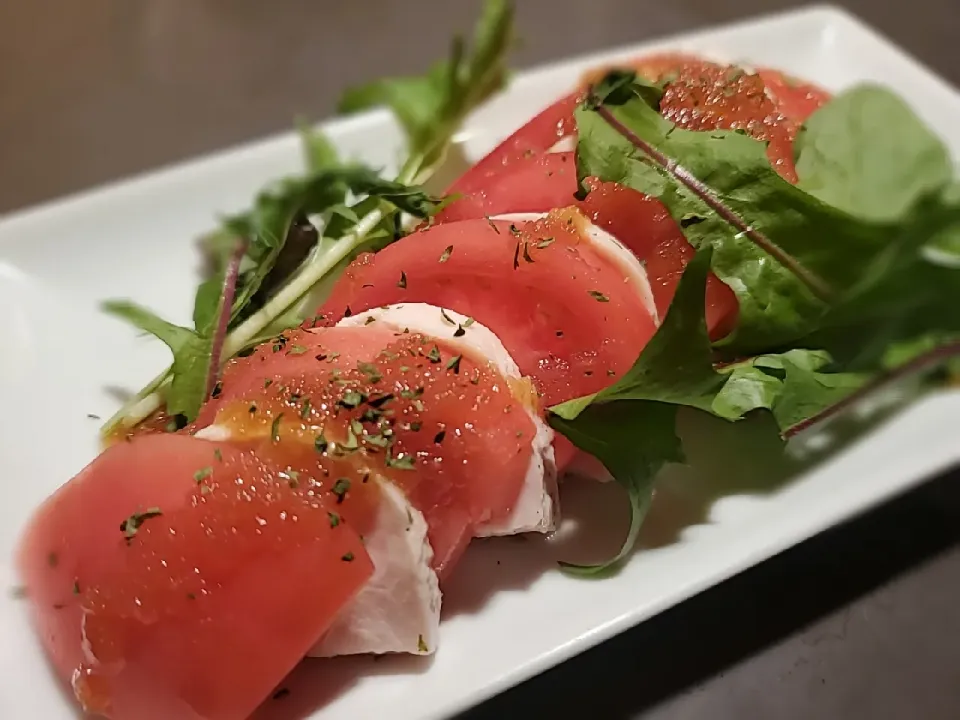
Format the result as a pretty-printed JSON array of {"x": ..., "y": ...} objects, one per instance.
[{"x": 509, "y": 614}]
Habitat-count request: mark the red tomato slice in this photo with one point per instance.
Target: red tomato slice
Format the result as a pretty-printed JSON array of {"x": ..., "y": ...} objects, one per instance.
[
  {"x": 560, "y": 308},
  {"x": 399, "y": 395},
  {"x": 700, "y": 95},
  {"x": 198, "y": 612},
  {"x": 537, "y": 136},
  {"x": 539, "y": 184},
  {"x": 797, "y": 100}
]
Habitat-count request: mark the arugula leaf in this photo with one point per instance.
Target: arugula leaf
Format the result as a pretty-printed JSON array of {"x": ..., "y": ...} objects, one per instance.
[
  {"x": 191, "y": 355},
  {"x": 782, "y": 383},
  {"x": 633, "y": 441},
  {"x": 206, "y": 302},
  {"x": 620, "y": 86},
  {"x": 786, "y": 254},
  {"x": 286, "y": 266},
  {"x": 806, "y": 393},
  {"x": 910, "y": 298},
  {"x": 747, "y": 388},
  {"x": 318, "y": 152},
  {"x": 920, "y": 367},
  {"x": 903, "y": 352},
  {"x": 432, "y": 106},
  {"x": 675, "y": 366},
  {"x": 630, "y": 425},
  {"x": 838, "y": 159}
]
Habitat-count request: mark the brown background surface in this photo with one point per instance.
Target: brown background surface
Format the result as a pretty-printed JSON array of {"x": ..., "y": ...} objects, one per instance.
[{"x": 861, "y": 622}]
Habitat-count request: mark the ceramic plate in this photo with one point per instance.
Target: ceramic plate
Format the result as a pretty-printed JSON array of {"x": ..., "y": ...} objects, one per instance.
[{"x": 509, "y": 614}]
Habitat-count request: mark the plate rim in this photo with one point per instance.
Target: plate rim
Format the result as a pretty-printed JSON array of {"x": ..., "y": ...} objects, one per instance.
[{"x": 825, "y": 15}]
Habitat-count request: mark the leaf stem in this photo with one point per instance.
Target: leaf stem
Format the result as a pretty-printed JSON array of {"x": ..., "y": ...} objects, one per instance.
[
  {"x": 416, "y": 170},
  {"x": 227, "y": 296},
  {"x": 299, "y": 286},
  {"x": 816, "y": 284},
  {"x": 927, "y": 361},
  {"x": 146, "y": 402}
]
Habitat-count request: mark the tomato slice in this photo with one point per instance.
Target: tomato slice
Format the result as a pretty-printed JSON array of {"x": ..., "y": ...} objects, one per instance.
[
  {"x": 560, "y": 307},
  {"x": 541, "y": 183},
  {"x": 537, "y": 136},
  {"x": 180, "y": 578},
  {"x": 794, "y": 98},
  {"x": 551, "y": 125},
  {"x": 442, "y": 426},
  {"x": 699, "y": 95},
  {"x": 704, "y": 95}
]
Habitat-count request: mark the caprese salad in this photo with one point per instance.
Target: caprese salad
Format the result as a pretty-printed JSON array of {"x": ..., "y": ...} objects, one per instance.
[{"x": 376, "y": 375}]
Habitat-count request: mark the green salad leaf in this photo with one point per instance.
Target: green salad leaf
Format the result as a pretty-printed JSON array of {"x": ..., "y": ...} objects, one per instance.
[
  {"x": 786, "y": 253},
  {"x": 301, "y": 232},
  {"x": 432, "y": 106},
  {"x": 192, "y": 354},
  {"x": 837, "y": 290},
  {"x": 634, "y": 441},
  {"x": 629, "y": 426},
  {"x": 269, "y": 233},
  {"x": 837, "y": 160},
  {"x": 319, "y": 153},
  {"x": 676, "y": 367}
]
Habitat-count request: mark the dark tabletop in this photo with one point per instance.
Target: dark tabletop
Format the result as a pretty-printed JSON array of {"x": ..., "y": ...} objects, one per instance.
[{"x": 860, "y": 622}]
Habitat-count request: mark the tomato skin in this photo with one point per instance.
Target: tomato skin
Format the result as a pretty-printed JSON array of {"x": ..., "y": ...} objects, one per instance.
[
  {"x": 536, "y": 136},
  {"x": 795, "y": 99},
  {"x": 534, "y": 184},
  {"x": 472, "y": 475},
  {"x": 699, "y": 95},
  {"x": 539, "y": 184},
  {"x": 564, "y": 312},
  {"x": 552, "y": 124},
  {"x": 202, "y": 612}
]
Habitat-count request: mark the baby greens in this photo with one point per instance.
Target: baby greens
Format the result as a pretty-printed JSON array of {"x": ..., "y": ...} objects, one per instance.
[
  {"x": 301, "y": 232},
  {"x": 831, "y": 275}
]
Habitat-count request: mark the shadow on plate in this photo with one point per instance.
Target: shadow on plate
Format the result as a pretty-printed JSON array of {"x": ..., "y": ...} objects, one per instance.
[
  {"x": 685, "y": 651},
  {"x": 318, "y": 681},
  {"x": 723, "y": 461}
]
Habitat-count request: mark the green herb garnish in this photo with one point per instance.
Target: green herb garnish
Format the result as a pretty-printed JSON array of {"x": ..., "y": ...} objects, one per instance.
[
  {"x": 404, "y": 461},
  {"x": 275, "y": 428},
  {"x": 132, "y": 524},
  {"x": 320, "y": 443},
  {"x": 266, "y": 262},
  {"x": 340, "y": 488}
]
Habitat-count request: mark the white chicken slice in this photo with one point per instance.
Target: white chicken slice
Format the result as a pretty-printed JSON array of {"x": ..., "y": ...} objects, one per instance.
[
  {"x": 398, "y": 610},
  {"x": 537, "y": 507}
]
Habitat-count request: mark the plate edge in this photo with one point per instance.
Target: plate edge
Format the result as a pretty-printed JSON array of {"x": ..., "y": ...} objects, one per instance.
[{"x": 826, "y": 13}]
